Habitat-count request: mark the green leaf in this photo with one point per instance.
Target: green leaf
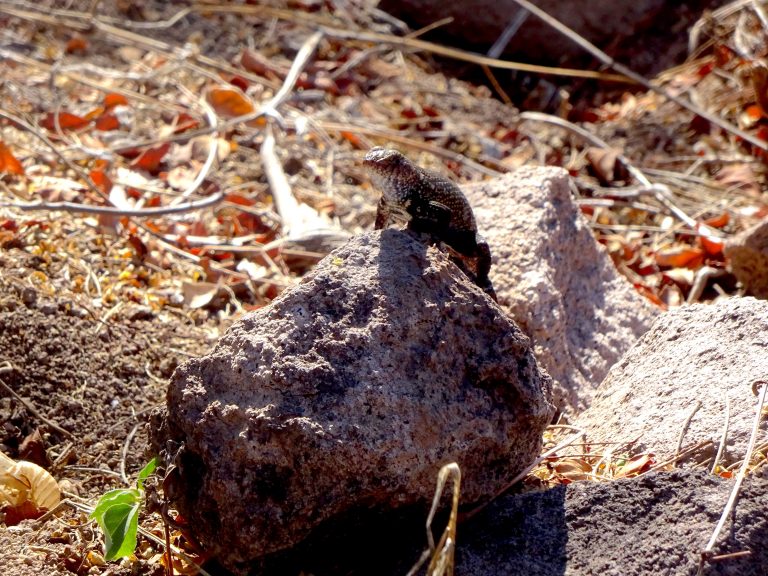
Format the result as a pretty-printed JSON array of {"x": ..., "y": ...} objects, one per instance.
[
  {"x": 120, "y": 496},
  {"x": 145, "y": 472},
  {"x": 119, "y": 524},
  {"x": 117, "y": 513}
]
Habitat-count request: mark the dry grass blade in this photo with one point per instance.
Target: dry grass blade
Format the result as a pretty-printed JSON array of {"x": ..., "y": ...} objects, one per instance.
[
  {"x": 471, "y": 57},
  {"x": 707, "y": 552},
  {"x": 719, "y": 14},
  {"x": 724, "y": 435},
  {"x": 681, "y": 456},
  {"x": 442, "y": 555},
  {"x": 213, "y": 147},
  {"x": 684, "y": 429}
]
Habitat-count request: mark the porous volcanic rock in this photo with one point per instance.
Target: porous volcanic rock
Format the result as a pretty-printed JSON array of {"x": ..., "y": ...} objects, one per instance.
[
  {"x": 558, "y": 283},
  {"x": 350, "y": 391},
  {"x": 699, "y": 353},
  {"x": 747, "y": 254},
  {"x": 655, "y": 524}
]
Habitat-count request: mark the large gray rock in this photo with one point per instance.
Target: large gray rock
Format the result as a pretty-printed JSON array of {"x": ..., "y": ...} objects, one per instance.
[
  {"x": 654, "y": 524},
  {"x": 695, "y": 353},
  {"x": 347, "y": 392},
  {"x": 558, "y": 283},
  {"x": 747, "y": 254}
]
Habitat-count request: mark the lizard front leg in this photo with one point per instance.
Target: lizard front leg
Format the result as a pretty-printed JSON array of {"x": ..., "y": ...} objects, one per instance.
[{"x": 382, "y": 215}]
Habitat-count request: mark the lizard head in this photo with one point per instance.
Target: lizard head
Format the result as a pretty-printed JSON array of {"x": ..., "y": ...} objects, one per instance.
[
  {"x": 391, "y": 172},
  {"x": 380, "y": 160}
]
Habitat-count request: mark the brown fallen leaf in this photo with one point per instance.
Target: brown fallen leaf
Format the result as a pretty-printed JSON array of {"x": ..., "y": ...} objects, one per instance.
[
  {"x": 635, "y": 465},
  {"x": 9, "y": 164},
  {"x": 603, "y": 163},
  {"x": 199, "y": 294},
  {"x": 574, "y": 469},
  {"x": 679, "y": 256},
  {"x": 111, "y": 100},
  {"x": 231, "y": 103},
  {"x": 149, "y": 160},
  {"x": 66, "y": 121},
  {"x": 26, "y": 490}
]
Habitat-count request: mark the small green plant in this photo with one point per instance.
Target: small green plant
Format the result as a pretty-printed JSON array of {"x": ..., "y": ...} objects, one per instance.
[{"x": 117, "y": 513}]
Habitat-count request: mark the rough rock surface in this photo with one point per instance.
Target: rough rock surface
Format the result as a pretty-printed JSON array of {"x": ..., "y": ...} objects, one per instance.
[
  {"x": 748, "y": 255},
  {"x": 696, "y": 353},
  {"x": 654, "y": 524},
  {"x": 349, "y": 392},
  {"x": 558, "y": 283}
]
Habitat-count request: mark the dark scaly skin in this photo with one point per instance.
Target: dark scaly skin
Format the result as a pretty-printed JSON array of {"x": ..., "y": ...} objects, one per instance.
[{"x": 432, "y": 204}]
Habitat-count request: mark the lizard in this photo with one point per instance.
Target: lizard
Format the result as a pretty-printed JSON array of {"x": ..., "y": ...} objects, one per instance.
[{"x": 429, "y": 203}]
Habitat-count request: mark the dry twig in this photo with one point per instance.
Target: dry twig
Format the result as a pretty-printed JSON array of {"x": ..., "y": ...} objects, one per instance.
[
  {"x": 724, "y": 435},
  {"x": 681, "y": 456},
  {"x": 139, "y": 213},
  {"x": 706, "y": 554},
  {"x": 684, "y": 429}
]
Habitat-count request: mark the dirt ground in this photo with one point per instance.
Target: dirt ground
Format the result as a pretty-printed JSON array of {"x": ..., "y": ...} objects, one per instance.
[{"x": 97, "y": 380}]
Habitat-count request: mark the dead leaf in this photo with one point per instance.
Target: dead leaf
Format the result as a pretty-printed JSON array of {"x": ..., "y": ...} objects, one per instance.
[
  {"x": 77, "y": 45},
  {"x": 740, "y": 177},
  {"x": 680, "y": 276},
  {"x": 635, "y": 466},
  {"x": 66, "y": 121},
  {"x": 107, "y": 122},
  {"x": 650, "y": 294},
  {"x": 150, "y": 160},
  {"x": 26, "y": 489},
  {"x": 258, "y": 64},
  {"x": 574, "y": 469},
  {"x": 32, "y": 449},
  {"x": 604, "y": 163},
  {"x": 679, "y": 257},
  {"x": 239, "y": 82},
  {"x": 229, "y": 102},
  {"x": 111, "y": 100},
  {"x": 712, "y": 244},
  {"x": 672, "y": 296},
  {"x": 719, "y": 221},
  {"x": 759, "y": 76},
  {"x": 138, "y": 246},
  {"x": 199, "y": 294},
  {"x": 8, "y": 162},
  {"x": 102, "y": 181},
  {"x": 184, "y": 122}
]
